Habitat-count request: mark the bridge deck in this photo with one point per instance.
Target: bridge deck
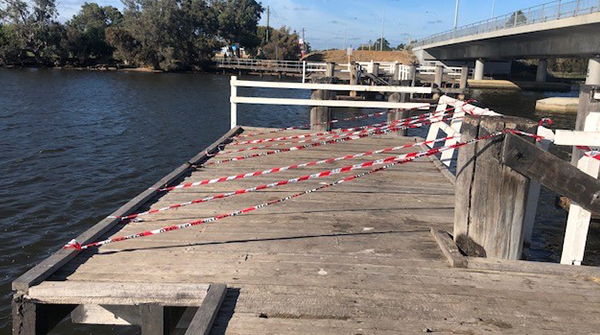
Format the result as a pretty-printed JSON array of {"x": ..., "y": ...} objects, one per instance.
[{"x": 357, "y": 258}]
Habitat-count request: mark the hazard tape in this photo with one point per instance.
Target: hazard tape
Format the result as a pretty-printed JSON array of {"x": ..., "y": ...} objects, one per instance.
[
  {"x": 333, "y": 140},
  {"x": 589, "y": 152},
  {"x": 269, "y": 171},
  {"x": 416, "y": 118},
  {"x": 73, "y": 244},
  {"x": 363, "y": 116},
  {"x": 337, "y": 131}
]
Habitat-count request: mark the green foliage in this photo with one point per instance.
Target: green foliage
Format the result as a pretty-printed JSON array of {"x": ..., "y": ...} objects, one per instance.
[
  {"x": 377, "y": 45},
  {"x": 282, "y": 45},
  {"x": 164, "y": 34},
  {"x": 238, "y": 21},
  {"x": 86, "y": 32}
]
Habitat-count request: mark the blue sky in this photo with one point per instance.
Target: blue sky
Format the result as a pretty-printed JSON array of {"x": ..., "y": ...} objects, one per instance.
[{"x": 325, "y": 21}]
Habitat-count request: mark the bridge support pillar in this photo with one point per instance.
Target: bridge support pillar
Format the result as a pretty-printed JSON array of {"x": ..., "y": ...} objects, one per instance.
[
  {"x": 479, "y": 68},
  {"x": 593, "y": 73},
  {"x": 542, "y": 71}
]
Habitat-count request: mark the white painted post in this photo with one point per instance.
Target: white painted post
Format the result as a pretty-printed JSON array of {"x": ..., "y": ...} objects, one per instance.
[
  {"x": 233, "y": 117},
  {"x": 303, "y": 72},
  {"x": 455, "y": 125},
  {"x": 434, "y": 128},
  {"x": 534, "y": 189},
  {"x": 578, "y": 222}
]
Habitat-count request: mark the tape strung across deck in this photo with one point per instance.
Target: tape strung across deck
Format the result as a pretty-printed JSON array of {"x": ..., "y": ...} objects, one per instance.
[
  {"x": 275, "y": 184},
  {"x": 415, "y": 118},
  {"x": 73, "y": 244},
  {"x": 336, "y": 139},
  {"x": 337, "y": 131}
]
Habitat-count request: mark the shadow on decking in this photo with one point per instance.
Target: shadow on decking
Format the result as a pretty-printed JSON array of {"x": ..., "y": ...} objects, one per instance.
[{"x": 84, "y": 256}]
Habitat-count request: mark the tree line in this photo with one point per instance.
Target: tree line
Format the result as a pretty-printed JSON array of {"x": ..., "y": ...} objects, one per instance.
[{"x": 170, "y": 35}]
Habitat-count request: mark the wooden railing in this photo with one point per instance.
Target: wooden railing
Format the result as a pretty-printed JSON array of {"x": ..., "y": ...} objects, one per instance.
[{"x": 553, "y": 173}]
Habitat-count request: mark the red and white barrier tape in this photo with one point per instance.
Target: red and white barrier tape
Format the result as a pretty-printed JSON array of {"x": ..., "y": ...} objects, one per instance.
[
  {"x": 297, "y": 166},
  {"x": 589, "y": 152},
  {"x": 337, "y": 131},
  {"x": 415, "y": 118},
  {"x": 363, "y": 116},
  {"x": 269, "y": 171},
  {"x": 73, "y": 244},
  {"x": 334, "y": 139}
]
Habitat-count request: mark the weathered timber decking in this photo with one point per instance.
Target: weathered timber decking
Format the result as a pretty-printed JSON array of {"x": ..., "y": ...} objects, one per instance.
[{"x": 357, "y": 258}]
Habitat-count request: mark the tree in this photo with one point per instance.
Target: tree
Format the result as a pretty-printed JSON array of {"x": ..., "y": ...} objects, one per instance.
[
  {"x": 238, "y": 21},
  {"x": 400, "y": 47},
  {"x": 377, "y": 45},
  {"x": 166, "y": 34},
  {"x": 519, "y": 17},
  {"x": 282, "y": 45},
  {"x": 86, "y": 32},
  {"x": 31, "y": 29}
]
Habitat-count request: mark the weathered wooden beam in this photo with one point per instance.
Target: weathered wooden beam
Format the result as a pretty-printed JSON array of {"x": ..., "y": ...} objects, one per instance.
[
  {"x": 206, "y": 314},
  {"x": 159, "y": 320},
  {"x": 552, "y": 172},
  {"x": 48, "y": 266},
  {"x": 491, "y": 198},
  {"x": 31, "y": 318},
  {"x": 118, "y": 293},
  {"x": 449, "y": 249}
]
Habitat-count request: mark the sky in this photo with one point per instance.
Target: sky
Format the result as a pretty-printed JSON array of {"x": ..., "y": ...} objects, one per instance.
[{"x": 327, "y": 22}]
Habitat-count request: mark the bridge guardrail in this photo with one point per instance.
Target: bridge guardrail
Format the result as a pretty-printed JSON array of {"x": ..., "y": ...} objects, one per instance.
[{"x": 550, "y": 11}]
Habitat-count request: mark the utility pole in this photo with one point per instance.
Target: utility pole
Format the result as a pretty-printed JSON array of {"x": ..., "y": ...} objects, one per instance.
[
  {"x": 303, "y": 41},
  {"x": 268, "y": 14},
  {"x": 456, "y": 14},
  {"x": 493, "y": 8},
  {"x": 382, "y": 23},
  {"x": 345, "y": 34}
]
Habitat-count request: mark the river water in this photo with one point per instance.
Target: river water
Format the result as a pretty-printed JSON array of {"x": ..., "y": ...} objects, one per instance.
[{"x": 75, "y": 145}]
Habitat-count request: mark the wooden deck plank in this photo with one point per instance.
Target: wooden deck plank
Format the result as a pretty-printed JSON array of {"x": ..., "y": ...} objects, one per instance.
[{"x": 356, "y": 258}]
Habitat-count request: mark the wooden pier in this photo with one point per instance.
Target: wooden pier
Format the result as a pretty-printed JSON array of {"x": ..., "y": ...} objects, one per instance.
[{"x": 370, "y": 256}]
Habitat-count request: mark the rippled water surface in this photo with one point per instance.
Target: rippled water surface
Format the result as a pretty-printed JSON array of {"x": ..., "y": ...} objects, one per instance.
[{"x": 74, "y": 146}]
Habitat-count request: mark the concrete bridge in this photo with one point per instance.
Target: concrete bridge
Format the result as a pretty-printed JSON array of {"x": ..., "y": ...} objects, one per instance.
[{"x": 555, "y": 29}]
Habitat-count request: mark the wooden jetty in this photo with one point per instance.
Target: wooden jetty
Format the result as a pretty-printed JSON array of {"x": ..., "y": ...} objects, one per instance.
[{"x": 370, "y": 256}]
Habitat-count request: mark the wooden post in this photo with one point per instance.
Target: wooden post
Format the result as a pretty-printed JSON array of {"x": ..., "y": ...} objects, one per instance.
[
  {"x": 29, "y": 318},
  {"x": 464, "y": 77},
  {"x": 397, "y": 74},
  {"x": 353, "y": 68},
  {"x": 330, "y": 70},
  {"x": 437, "y": 81},
  {"x": 159, "y": 320},
  {"x": 587, "y": 105},
  {"x": 412, "y": 76},
  {"x": 491, "y": 198},
  {"x": 319, "y": 116},
  {"x": 397, "y": 114},
  {"x": 375, "y": 70}
]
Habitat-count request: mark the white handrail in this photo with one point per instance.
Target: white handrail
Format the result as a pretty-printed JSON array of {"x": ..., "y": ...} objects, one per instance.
[
  {"x": 235, "y": 99},
  {"x": 330, "y": 87}
]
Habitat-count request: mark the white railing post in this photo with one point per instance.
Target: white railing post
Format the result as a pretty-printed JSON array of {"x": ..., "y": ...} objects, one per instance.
[
  {"x": 436, "y": 121},
  {"x": 578, "y": 222},
  {"x": 303, "y": 72},
  {"x": 232, "y": 99}
]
